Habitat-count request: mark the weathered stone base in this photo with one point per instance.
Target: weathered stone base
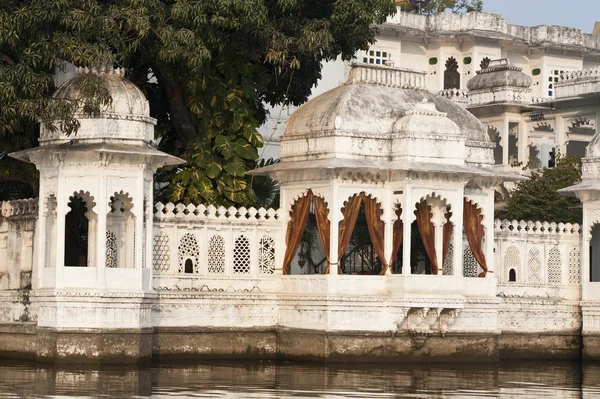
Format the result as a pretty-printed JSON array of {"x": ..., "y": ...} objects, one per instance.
[
  {"x": 25, "y": 341},
  {"x": 591, "y": 347},
  {"x": 515, "y": 346}
]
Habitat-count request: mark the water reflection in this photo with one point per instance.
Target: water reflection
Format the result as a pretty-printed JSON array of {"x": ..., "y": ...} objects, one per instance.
[{"x": 288, "y": 380}]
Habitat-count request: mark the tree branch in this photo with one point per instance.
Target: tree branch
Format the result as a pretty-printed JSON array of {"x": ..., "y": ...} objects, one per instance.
[{"x": 6, "y": 59}]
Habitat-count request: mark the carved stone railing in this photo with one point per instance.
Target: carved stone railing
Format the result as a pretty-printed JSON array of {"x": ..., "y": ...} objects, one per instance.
[
  {"x": 17, "y": 224},
  {"x": 578, "y": 83},
  {"x": 458, "y": 96},
  {"x": 538, "y": 259},
  {"x": 196, "y": 244}
]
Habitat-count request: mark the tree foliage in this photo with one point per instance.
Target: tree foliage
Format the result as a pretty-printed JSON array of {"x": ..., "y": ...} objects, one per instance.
[
  {"x": 537, "y": 199},
  {"x": 208, "y": 67},
  {"x": 455, "y": 6}
]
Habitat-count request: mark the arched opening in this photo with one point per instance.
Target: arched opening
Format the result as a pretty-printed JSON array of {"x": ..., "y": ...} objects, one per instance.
[
  {"x": 431, "y": 233},
  {"x": 595, "y": 254},
  {"x": 307, "y": 236},
  {"x": 120, "y": 227},
  {"x": 189, "y": 266},
  {"x": 512, "y": 276},
  {"x": 451, "y": 74},
  {"x": 79, "y": 230}
]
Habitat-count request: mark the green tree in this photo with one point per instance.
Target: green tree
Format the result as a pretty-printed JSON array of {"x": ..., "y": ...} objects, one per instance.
[
  {"x": 456, "y": 6},
  {"x": 537, "y": 198},
  {"x": 208, "y": 67}
]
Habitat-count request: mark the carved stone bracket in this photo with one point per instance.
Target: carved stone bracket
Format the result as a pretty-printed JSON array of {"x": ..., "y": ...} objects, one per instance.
[{"x": 448, "y": 318}]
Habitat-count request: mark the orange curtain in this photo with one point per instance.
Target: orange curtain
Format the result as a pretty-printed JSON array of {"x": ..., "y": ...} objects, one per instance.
[
  {"x": 447, "y": 235},
  {"x": 376, "y": 229},
  {"x": 397, "y": 238},
  {"x": 472, "y": 218},
  {"x": 350, "y": 212},
  {"x": 323, "y": 226},
  {"x": 427, "y": 232},
  {"x": 295, "y": 229}
]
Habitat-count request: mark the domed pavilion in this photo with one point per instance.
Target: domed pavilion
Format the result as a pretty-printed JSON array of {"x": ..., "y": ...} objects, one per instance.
[
  {"x": 381, "y": 141},
  {"x": 96, "y": 191}
]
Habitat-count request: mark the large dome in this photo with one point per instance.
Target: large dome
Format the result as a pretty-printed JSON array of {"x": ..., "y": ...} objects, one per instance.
[
  {"x": 370, "y": 106},
  {"x": 127, "y": 117}
]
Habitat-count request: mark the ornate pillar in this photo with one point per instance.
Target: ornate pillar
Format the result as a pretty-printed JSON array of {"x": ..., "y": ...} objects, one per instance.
[
  {"x": 407, "y": 219},
  {"x": 560, "y": 138},
  {"x": 389, "y": 215},
  {"x": 335, "y": 214},
  {"x": 149, "y": 230},
  {"x": 138, "y": 227},
  {"x": 61, "y": 212},
  {"x": 505, "y": 141},
  {"x": 457, "y": 235},
  {"x": 523, "y": 143},
  {"x": 40, "y": 256},
  {"x": 102, "y": 203}
]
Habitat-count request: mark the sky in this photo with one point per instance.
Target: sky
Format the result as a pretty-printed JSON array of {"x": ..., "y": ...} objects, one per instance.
[{"x": 580, "y": 14}]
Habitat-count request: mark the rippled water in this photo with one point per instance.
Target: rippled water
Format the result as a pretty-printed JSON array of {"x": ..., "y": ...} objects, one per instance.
[{"x": 290, "y": 380}]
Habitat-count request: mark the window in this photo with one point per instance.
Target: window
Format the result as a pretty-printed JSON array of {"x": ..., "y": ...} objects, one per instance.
[
  {"x": 552, "y": 79},
  {"x": 485, "y": 63},
  {"x": 512, "y": 276},
  {"x": 451, "y": 75},
  {"x": 433, "y": 61},
  {"x": 536, "y": 71},
  {"x": 376, "y": 57},
  {"x": 467, "y": 60}
]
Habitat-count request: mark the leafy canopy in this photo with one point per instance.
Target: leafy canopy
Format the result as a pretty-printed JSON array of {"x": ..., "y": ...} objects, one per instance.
[
  {"x": 208, "y": 67},
  {"x": 537, "y": 199},
  {"x": 455, "y": 6}
]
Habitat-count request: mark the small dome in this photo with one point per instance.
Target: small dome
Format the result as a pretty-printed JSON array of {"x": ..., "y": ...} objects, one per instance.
[
  {"x": 127, "y": 99},
  {"x": 499, "y": 73},
  {"x": 127, "y": 117},
  {"x": 424, "y": 118}
]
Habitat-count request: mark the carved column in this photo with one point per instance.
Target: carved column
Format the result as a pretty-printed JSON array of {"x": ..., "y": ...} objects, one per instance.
[
  {"x": 505, "y": 141},
  {"x": 61, "y": 211},
  {"x": 457, "y": 234},
  {"x": 389, "y": 215},
  {"x": 335, "y": 215},
  {"x": 102, "y": 203},
  {"x": 407, "y": 219}
]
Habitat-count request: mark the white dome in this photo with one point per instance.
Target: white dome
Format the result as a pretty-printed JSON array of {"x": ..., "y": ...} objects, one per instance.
[{"x": 127, "y": 117}]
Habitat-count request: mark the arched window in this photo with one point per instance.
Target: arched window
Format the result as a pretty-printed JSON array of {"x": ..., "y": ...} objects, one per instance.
[
  {"x": 451, "y": 74},
  {"x": 512, "y": 276},
  {"x": 485, "y": 63},
  {"x": 79, "y": 230}
]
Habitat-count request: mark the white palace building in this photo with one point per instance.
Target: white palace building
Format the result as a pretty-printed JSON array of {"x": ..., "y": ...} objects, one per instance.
[{"x": 93, "y": 271}]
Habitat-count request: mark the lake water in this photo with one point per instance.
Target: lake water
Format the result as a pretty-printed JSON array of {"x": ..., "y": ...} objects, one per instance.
[{"x": 292, "y": 380}]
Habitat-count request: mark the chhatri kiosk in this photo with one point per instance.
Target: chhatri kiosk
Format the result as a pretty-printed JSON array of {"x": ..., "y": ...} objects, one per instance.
[{"x": 382, "y": 141}]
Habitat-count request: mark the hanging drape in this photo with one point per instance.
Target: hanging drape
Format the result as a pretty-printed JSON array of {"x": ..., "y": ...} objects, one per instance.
[
  {"x": 397, "y": 237},
  {"x": 350, "y": 212},
  {"x": 295, "y": 229},
  {"x": 323, "y": 226},
  {"x": 474, "y": 230},
  {"x": 447, "y": 235},
  {"x": 427, "y": 232},
  {"x": 376, "y": 229}
]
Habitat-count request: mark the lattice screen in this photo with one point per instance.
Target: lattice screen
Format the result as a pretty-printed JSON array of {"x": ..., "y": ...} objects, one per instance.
[
  {"x": 161, "y": 257},
  {"x": 574, "y": 267},
  {"x": 448, "y": 263},
  {"x": 266, "y": 255},
  {"x": 188, "y": 249},
  {"x": 112, "y": 259},
  {"x": 554, "y": 266},
  {"x": 512, "y": 260},
  {"x": 534, "y": 267},
  {"x": 241, "y": 256},
  {"x": 470, "y": 265},
  {"x": 216, "y": 255}
]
